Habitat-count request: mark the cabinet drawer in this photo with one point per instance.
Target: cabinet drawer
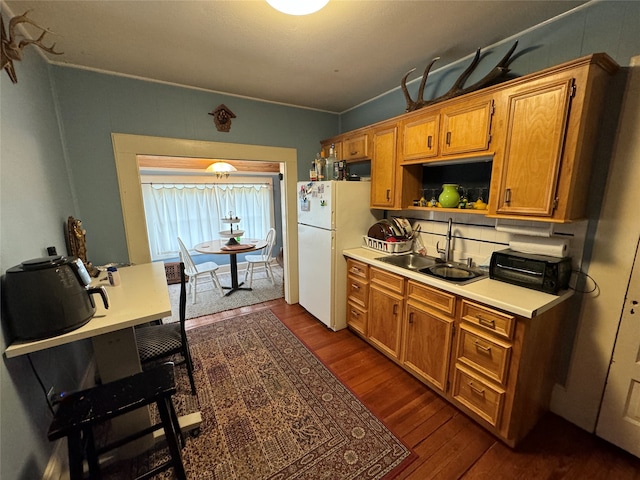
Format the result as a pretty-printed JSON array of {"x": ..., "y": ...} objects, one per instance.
[
  {"x": 388, "y": 280},
  {"x": 442, "y": 301},
  {"x": 477, "y": 395},
  {"x": 490, "y": 320},
  {"x": 357, "y": 291},
  {"x": 355, "y": 148},
  {"x": 358, "y": 269},
  {"x": 357, "y": 318},
  {"x": 488, "y": 356}
]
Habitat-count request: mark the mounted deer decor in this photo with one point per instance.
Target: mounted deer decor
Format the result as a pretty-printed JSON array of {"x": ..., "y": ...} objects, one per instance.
[
  {"x": 12, "y": 48},
  {"x": 497, "y": 73}
]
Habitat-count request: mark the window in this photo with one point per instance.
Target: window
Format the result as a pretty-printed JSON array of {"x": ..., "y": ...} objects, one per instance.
[{"x": 193, "y": 212}]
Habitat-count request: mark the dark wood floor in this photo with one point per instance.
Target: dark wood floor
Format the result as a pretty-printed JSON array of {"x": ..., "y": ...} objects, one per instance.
[{"x": 447, "y": 443}]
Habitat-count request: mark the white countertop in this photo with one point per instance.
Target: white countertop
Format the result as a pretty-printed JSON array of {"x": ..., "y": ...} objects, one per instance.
[
  {"x": 141, "y": 297},
  {"x": 520, "y": 301}
]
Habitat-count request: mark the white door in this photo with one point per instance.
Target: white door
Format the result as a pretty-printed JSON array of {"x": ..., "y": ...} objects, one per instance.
[{"x": 619, "y": 419}]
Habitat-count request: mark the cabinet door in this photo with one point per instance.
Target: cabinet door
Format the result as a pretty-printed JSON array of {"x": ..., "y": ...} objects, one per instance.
[
  {"x": 337, "y": 145},
  {"x": 355, "y": 148},
  {"x": 536, "y": 124},
  {"x": 383, "y": 168},
  {"x": 427, "y": 345},
  {"x": 466, "y": 127},
  {"x": 419, "y": 138},
  {"x": 384, "y": 323}
]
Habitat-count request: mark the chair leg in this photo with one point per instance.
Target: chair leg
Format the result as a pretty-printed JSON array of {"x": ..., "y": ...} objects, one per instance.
[
  {"x": 76, "y": 455},
  {"x": 267, "y": 267},
  {"x": 187, "y": 360},
  {"x": 171, "y": 436},
  {"x": 216, "y": 283},
  {"x": 250, "y": 272},
  {"x": 194, "y": 287}
]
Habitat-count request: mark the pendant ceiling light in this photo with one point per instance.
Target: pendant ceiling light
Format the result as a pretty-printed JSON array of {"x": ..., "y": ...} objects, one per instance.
[
  {"x": 221, "y": 169},
  {"x": 297, "y": 7}
]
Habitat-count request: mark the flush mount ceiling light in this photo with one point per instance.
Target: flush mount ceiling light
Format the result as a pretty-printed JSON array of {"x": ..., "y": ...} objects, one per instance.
[
  {"x": 297, "y": 7},
  {"x": 221, "y": 169}
]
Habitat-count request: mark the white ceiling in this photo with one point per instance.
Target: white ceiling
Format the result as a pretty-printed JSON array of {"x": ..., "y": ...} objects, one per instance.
[{"x": 349, "y": 52}]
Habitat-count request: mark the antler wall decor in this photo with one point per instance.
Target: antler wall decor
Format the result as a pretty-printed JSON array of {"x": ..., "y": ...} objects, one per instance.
[
  {"x": 458, "y": 88},
  {"x": 12, "y": 48}
]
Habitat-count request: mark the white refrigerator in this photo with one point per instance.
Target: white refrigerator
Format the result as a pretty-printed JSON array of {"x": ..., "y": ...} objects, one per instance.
[{"x": 332, "y": 216}]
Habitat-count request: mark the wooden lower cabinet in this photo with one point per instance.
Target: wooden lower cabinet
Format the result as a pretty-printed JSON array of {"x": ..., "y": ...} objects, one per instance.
[
  {"x": 386, "y": 307},
  {"x": 496, "y": 367},
  {"x": 427, "y": 336}
]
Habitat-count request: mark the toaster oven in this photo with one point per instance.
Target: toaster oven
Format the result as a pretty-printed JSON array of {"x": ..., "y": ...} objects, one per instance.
[{"x": 538, "y": 272}]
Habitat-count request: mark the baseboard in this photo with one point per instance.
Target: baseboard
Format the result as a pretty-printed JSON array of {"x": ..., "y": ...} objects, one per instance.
[{"x": 58, "y": 465}]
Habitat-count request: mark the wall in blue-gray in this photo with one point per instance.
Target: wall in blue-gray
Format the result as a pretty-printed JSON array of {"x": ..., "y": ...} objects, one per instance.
[
  {"x": 609, "y": 26},
  {"x": 36, "y": 198},
  {"x": 95, "y": 105}
]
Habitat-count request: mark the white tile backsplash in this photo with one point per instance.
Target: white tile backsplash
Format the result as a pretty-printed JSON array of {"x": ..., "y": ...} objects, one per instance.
[{"x": 475, "y": 236}]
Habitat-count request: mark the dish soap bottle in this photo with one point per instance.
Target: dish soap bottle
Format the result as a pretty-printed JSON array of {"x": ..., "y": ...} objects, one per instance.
[{"x": 332, "y": 161}]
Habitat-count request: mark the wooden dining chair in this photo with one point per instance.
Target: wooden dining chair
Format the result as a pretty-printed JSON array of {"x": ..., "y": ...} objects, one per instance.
[
  {"x": 157, "y": 342},
  {"x": 194, "y": 271},
  {"x": 262, "y": 259}
]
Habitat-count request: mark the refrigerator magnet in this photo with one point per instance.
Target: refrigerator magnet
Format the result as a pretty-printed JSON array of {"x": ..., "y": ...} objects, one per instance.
[{"x": 304, "y": 205}]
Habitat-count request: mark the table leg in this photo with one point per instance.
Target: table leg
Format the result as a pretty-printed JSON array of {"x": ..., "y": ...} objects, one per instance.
[{"x": 234, "y": 277}]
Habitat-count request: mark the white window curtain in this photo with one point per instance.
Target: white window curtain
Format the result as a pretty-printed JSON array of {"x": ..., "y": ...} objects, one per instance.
[{"x": 193, "y": 212}]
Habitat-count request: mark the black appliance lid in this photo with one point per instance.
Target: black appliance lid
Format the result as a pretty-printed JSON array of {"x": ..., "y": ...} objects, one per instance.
[{"x": 44, "y": 262}]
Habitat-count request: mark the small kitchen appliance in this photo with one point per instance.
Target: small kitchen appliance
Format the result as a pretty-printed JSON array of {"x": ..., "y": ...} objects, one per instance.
[
  {"x": 538, "y": 272},
  {"x": 48, "y": 296}
]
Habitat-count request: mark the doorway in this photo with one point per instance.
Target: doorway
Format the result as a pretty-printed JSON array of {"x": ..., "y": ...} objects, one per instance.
[{"x": 128, "y": 147}]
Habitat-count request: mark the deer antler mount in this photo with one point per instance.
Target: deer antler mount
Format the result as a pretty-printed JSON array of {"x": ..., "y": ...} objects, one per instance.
[
  {"x": 14, "y": 43},
  {"x": 497, "y": 73}
]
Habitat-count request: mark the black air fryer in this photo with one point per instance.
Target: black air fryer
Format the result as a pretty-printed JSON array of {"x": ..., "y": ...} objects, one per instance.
[{"x": 48, "y": 296}]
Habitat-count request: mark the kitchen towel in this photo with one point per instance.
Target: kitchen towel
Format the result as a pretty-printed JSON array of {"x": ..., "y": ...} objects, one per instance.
[
  {"x": 544, "y": 231},
  {"x": 553, "y": 247}
]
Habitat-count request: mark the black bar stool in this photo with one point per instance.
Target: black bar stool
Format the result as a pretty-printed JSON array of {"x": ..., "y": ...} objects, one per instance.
[{"x": 80, "y": 411}]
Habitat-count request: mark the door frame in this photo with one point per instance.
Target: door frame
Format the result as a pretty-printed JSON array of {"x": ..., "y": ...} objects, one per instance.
[{"x": 127, "y": 147}]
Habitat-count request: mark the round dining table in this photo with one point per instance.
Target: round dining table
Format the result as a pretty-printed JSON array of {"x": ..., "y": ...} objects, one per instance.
[{"x": 222, "y": 247}]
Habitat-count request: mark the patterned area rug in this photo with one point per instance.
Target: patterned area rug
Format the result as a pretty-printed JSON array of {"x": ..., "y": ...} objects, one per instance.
[
  {"x": 208, "y": 299},
  {"x": 272, "y": 410}
]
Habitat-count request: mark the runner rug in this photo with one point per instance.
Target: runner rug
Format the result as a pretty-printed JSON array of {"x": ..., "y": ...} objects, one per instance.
[{"x": 272, "y": 410}]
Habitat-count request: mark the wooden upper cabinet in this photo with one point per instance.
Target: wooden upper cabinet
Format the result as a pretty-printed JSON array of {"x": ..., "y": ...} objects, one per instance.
[
  {"x": 466, "y": 126},
  {"x": 326, "y": 145},
  {"x": 534, "y": 139},
  {"x": 355, "y": 148},
  {"x": 383, "y": 167},
  {"x": 419, "y": 137}
]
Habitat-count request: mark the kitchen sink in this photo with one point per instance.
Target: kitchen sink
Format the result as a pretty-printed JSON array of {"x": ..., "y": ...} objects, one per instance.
[
  {"x": 410, "y": 261},
  {"x": 434, "y": 267},
  {"x": 453, "y": 273}
]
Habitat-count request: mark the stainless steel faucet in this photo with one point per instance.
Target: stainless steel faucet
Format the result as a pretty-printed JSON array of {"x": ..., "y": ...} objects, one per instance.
[{"x": 447, "y": 245}]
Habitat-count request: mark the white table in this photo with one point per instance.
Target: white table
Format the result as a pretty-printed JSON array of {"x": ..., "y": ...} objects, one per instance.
[
  {"x": 216, "y": 247},
  {"x": 141, "y": 297}
]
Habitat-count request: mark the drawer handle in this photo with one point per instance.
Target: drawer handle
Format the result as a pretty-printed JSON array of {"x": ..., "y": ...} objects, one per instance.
[
  {"x": 353, "y": 153},
  {"x": 355, "y": 313},
  {"x": 507, "y": 196},
  {"x": 388, "y": 194},
  {"x": 482, "y": 347},
  {"x": 479, "y": 391},
  {"x": 449, "y": 138},
  {"x": 355, "y": 287},
  {"x": 411, "y": 317},
  {"x": 429, "y": 141},
  {"x": 395, "y": 309},
  {"x": 487, "y": 323},
  {"x": 355, "y": 270}
]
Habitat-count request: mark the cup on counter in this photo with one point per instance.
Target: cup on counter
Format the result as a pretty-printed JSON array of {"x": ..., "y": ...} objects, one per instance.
[{"x": 114, "y": 276}]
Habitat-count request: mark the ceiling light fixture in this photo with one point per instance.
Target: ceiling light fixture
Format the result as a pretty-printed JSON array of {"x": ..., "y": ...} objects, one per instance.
[
  {"x": 297, "y": 7},
  {"x": 221, "y": 169}
]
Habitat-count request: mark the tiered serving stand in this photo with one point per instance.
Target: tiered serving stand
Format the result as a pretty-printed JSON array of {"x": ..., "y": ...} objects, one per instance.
[{"x": 231, "y": 234}]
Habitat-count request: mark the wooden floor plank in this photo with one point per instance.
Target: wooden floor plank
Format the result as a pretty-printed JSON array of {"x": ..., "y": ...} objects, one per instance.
[{"x": 447, "y": 443}]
